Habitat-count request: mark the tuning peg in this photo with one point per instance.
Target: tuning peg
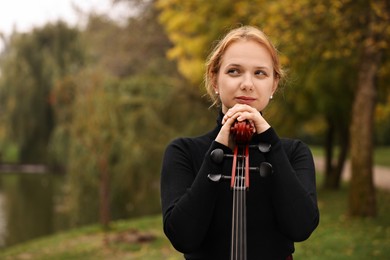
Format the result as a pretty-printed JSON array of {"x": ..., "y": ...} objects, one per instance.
[
  {"x": 265, "y": 169},
  {"x": 263, "y": 147},
  {"x": 217, "y": 177},
  {"x": 217, "y": 155}
]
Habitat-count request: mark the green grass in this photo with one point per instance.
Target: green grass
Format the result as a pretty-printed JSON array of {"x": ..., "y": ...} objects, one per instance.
[
  {"x": 337, "y": 237},
  {"x": 88, "y": 243},
  {"x": 381, "y": 154},
  {"x": 8, "y": 152},
  {"x": 341, "y": 237}
]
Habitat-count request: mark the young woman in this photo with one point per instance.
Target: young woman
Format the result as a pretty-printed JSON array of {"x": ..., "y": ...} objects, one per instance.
[{"x": 242, "y": 76}]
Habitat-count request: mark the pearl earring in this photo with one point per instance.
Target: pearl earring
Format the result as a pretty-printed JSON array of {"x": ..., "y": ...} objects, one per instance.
[{"x": 271, "y": 97}]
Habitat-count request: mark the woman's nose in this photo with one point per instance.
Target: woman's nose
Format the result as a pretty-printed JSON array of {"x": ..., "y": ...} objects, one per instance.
[{"x": 247, "y": 82}]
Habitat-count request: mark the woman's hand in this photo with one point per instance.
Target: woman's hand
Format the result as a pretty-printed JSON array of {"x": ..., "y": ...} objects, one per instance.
[
  {"x": 224, "y": 136},
  {"x": 240, "y": 112}
]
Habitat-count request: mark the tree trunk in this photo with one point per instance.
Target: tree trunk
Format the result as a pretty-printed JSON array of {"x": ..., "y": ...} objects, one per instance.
[
  {"x": 104, "y": 197},
  {"x": 342, "y": 157},
  {"x": 362, "y": 198},
  {"x": 329, "y": 155},
  {"x": 334, "y": 170}
]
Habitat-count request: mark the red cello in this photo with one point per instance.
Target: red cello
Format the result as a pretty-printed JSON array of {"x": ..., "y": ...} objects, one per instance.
[{"x": 242, "y": 133}]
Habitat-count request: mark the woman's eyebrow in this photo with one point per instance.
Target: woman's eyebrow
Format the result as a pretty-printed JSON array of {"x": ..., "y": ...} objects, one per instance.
[
  {"x": 233, "y": 65},
  {"x": 263, "y": 67}
]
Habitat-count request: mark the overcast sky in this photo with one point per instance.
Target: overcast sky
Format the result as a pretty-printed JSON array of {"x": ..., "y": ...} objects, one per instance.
[{"x": 25, "y": 14}]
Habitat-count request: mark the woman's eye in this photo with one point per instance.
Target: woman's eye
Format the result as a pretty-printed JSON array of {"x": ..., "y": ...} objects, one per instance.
[
  {"x": 233, "y": 71},
  {"x": 260, "y": 73}
]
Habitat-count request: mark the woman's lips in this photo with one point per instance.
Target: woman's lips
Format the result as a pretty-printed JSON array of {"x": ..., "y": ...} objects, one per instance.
[{"x": 245, "y": 100}]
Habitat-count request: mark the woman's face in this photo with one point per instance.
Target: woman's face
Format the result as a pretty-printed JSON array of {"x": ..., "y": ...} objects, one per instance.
[{"x": 246, "y": 76}]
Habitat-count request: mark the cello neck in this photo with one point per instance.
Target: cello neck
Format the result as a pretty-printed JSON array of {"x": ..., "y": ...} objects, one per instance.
[{"x": 242, "y": 133}]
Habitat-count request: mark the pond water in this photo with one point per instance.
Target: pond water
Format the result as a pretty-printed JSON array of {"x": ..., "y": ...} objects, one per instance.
[
  {"x": 33, "y": 205},
  {"x": 30, "y": 207}
]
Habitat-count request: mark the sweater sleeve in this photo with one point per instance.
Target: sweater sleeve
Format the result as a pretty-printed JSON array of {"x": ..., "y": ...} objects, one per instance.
[
  {"x": 187, "y": 197},
  {"x": 294, "y": 186}
]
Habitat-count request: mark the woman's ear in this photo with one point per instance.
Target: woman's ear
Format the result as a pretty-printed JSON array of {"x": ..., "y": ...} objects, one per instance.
[
  {"x": 215, "y": 85},
  {"x": 216, "y": 90},
  {"x": 275, "y": 86}
]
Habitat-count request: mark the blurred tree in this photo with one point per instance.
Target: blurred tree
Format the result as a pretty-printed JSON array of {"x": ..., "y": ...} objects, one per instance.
[
  {"x": 93, "y": 133},
  {"x": 326, "y": 74},
  {"x": 120, "y": 112},
  {"x": 117, "y": 49},
  {"x": 374, "y": 41},
  {"x": 30, "y": 65},
  {"x": 315, "y": 101},
  {"x": 354, "y": 34},
  {"x": 382, "y": 113},
  {"x": 116, "y": 134}
]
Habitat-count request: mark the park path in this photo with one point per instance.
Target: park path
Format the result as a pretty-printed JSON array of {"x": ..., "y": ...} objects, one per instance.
[{"x": 381, "y": 173}]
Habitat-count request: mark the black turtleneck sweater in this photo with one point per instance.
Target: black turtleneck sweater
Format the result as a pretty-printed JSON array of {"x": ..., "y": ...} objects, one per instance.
[{"x": 281, "y": 209}]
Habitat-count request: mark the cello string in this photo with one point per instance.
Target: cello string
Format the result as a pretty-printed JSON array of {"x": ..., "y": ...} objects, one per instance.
[
  {"x": 233, "y": 253},
  {"x": 238, "y": 241},
  {"x": 239, "y": 208},
  {"x": 232, "y": 249},
  {"x": 246, "y": 182},
  {"x": 242, "y": 185},
  {"x": 243, "y": 207},
  {"x": 241, "y": 212}
]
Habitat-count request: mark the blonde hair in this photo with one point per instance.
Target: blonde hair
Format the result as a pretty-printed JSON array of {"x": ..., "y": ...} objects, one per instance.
[{"x": 214, "y": 60}]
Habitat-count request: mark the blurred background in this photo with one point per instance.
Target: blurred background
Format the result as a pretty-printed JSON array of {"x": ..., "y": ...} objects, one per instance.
[{"x": 90, "y": 97}]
